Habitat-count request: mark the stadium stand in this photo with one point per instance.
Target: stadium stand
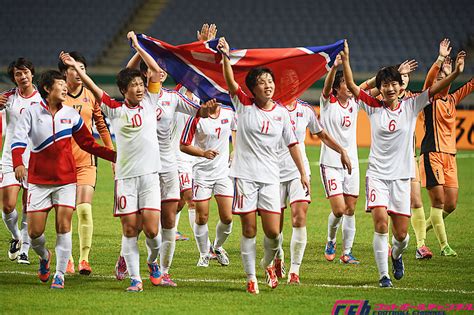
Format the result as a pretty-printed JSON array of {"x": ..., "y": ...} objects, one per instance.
[
  {"x": 247, "y": 23},
  {"x": 39, "y": 30}
]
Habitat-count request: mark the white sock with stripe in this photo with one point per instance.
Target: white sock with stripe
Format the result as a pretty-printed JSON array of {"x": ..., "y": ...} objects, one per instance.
[{"x": 248, "y": 251}]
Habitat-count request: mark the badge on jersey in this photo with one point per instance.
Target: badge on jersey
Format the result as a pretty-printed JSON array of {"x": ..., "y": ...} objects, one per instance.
[
  {"x": 165, "y": 103},
  {"x": 224, "y": 121},
  {"x": 299, "y": 114},
  {"x": 65, "y": 121},
  {"x": 277, "y": 118}
]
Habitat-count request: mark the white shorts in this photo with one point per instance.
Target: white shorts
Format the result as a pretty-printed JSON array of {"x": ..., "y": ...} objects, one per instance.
[
  {"x": 393, "y": 195},
  {"x": 169, "y": 183},
  {"x": 185, "y": 181},
  {"x": 337, "y": 181},
  {"x": 203, "y": 190},
  {"x": 45, "y": 197},
  {"x": 294, "y": 191},
  {"x": 8, "y": 179},
  {"x": 250, "y": 196},
  {"x": 136, "y": 194}
]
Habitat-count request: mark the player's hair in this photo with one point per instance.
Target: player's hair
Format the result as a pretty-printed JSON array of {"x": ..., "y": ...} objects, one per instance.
[
  {"x": 47, "y": 79},
  {"x": 337, "y": 81},
  {"x": 125, "y": 76},
  {"x": 388, "y": 74},
  {"x": 77, "y": 56},
  {"x": 20, "y": 63},
  {"x": 254, "y": 74}
]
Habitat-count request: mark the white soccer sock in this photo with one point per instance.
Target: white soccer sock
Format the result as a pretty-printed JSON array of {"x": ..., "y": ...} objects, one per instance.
[
  {"x": 63, "y": 252},
  {"x": 222, "y": 233},
  {"x": 38, "y": 245},
  {"x": 333, "y": 225},
  {"x": 270, "y": 248},
  {"x": 348, "y": 233},
  {"x": 380, "y": 244},
  {"x": 248, "y": 251},
  {"x": 131, "y": 255},
  {"x": 168, "y": 245},
  {"x": 399, "y": 247},
  {"x": 192, "y": 217},
  {"x": 153, "y": 247},
  {"x": 25, "y": 239},
  {"x": 11, "y": 222},
  {"x": 297, "y": 247},
  {"x": 178, "y": 215},
  {"x": 280, "y": 252},
  {"x": 201, "y": 233}
]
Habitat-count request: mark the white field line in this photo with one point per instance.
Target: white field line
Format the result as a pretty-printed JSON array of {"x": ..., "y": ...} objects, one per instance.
[
  {"x": 321, "y": 285},
  {"x": 365, "y": 161}
]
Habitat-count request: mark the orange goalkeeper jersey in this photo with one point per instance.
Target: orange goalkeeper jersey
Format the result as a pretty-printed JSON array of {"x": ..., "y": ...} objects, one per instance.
[
  {"x": 440, "y": 119},
  {"x": 85, "y": 104}
]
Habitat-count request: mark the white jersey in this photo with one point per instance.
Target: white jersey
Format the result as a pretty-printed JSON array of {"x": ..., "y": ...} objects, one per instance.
[
  {"x": 138, "y": 151},
  {"x": 169, "y": 103},
  {"x": 210, "y": 134},
  {"x": 259, "y": 133},
  {"x": 391, "y": 149},
  {"x": 341, "y": 123},
  {"x": 302, "y": 117},
  {"x": 16, "y": 104}
]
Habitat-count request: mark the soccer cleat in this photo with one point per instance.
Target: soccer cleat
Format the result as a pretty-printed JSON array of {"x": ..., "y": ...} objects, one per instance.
[
  {"x": 280, "y": 269},
  {"x": 181, "y": 237},
  {"x": 70, "y": 267},
  {"x": 23, "y": 259},
  {"x": 135, "y": 286},
  {"x": 203, "y": 261},
  {"x": 293, "y": 278},
  {"x": 270, "y": 277},
  {"x": 14, "y": 249},
  {"x": 448, "y": 251},
  {"x": 212, "y": 254},
  {"x": 423, "y": 252},
  {"x": 222, "y": 256},
  {"x": 43, "y": 271},
  {"x": 330, "y": 251},
  {"x": 58, "y": 282},
  {"x": 84, "y": 268},
  {"x": 385, "y": 282},
  {"x": 349, "y": 259},
  {"x": 155, "y": 274},
  {"x": 398, "y": 268},
  {"x": 120, "y": 268},
  {"x": 166, "y": 281},
  {"x": 252, "y": 287}
]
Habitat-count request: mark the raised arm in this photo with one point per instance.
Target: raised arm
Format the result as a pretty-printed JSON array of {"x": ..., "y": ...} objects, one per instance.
[
  {"x": 134, "y": 62},
  {"x": 328, "y": 82},
  {"x": 232, "y": 85},
  {"x": 348, "y": 77},
  {"x": 444, "y": 51},
  {"x": 149, "y": 61},
  {"x": 207, "y": 32},
  {"x": 69, "y": 61},
  {"x": 459, "y": 68}
]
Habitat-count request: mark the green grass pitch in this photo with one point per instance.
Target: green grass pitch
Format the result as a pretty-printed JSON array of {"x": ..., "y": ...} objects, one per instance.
[{"x": 219, "y": 289}]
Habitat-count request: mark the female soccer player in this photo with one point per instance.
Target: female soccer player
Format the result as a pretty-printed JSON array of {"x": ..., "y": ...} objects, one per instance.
[
  {"x": 82, "y": 100},
  {"x": 438, "y": 152},
  {"x": 261, "y": 125},
  {"x": 302, "y": 116},
  {"x": 49, "y": 125},
  {"x": 391, "y": 158},
  {"x": 338, "y": 114},
  {"x": 14, "y": 102},
  {"x": 137, "y": 184},
  {"x": 211, "y": 177}
]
